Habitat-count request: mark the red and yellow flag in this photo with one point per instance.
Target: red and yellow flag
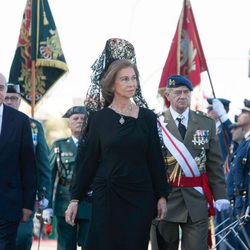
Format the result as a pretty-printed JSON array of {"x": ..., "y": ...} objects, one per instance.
[{"x": 186, "y": 56}]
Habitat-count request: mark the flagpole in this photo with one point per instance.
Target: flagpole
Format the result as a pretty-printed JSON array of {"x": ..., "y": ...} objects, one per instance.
[
  {"x": 211, "y": 84},
  {"x": 224, "y": 135},
  {"x": 33, "y": 87}
]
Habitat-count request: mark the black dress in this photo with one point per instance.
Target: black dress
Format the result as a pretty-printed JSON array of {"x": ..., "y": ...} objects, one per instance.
[{"x": 125, "y": 165}]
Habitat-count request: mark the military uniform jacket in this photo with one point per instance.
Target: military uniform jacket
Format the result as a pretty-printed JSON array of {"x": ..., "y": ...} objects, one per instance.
[
  {"x": 62, "y": 162},
  {"x": 184, "y": 201},
  {"x": 225, "y": 138},
  {"x": 42, "y": 160},
  {"x": 238, "y": 184}
]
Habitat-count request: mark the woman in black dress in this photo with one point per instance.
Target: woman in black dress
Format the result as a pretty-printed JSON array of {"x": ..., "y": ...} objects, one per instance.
[{"x": 122, "y": 160}]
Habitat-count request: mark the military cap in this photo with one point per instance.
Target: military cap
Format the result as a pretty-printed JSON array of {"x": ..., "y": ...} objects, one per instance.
[
  {"x": 75, "y": 110},
  {"x": 13, "y": 88},
  {"x": 246, "y": 105},
  {"x": 175, "y": 81},
  {"x": 225, "y": 103}
]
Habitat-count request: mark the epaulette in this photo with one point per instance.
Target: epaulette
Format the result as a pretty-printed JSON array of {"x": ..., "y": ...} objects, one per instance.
[
  {"x": 58, "y": 141},
  {"x": 203, "y": 114}
]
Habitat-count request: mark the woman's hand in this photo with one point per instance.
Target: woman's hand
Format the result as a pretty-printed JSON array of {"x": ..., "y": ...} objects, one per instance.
[
  {"x": 26, "y": 214},
  {"x": 161, "y": 208},
  {"x": 70, "y": 213}
]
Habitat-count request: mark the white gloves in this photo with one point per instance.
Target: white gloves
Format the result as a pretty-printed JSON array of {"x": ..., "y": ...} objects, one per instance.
[
  {"x": 247, "y": 213},
  {"x": 222, "y": 204},
  {"x": 220, "y": 110},
  {"x": 43, "y": 203},
  {"x": 47, "y": 215}
]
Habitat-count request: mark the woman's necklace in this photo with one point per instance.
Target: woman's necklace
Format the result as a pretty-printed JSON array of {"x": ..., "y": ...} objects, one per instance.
[{"x": 127, "y": 111}]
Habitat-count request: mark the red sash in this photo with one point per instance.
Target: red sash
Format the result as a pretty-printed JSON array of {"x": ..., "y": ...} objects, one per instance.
[{"x": 201, "y": 181}]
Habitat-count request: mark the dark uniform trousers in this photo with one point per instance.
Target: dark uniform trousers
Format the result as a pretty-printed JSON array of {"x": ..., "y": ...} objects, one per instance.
[
  {"x": 68, "y": 235},
  {"x": 25, "y": 229},
  {"x": 62, "y": 161},
  {"x": 169, "y": 236}
]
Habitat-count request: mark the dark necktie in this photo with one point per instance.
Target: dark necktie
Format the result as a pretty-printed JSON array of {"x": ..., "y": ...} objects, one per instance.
[{"x": 181, "y": 127}]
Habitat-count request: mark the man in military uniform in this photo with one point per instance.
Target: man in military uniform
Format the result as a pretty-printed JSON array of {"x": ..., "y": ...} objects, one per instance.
[
  {"x": 218, "y": 110},
  {"x": 25, "y": 229},
  {"x": 194, "y": 171},
  {"x": 63, "y": 161},
  {"x": 239, "y": 184}
]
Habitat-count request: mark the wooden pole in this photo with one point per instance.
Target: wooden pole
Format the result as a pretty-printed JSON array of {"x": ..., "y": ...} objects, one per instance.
[
  {"x": 224, "y": 135},
  {"x": 33, "y": 87},
  {"x": 211, "y": 84}
]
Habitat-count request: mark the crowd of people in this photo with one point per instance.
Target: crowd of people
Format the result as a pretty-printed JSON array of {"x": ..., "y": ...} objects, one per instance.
[{"x": 127, "y": 176}]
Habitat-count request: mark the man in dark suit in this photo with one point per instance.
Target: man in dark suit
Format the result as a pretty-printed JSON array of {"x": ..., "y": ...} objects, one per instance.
[
  {"x": 25, "y": 229},
  {"x": 17, "y": 170},
  {"x": 194, "y": 171},
  {"x": 63, "y": 161}
]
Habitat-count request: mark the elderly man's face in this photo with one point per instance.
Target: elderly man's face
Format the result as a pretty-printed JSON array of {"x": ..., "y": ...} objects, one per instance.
[
  {"x": 13, "y": 100},
  {"x": 3, "y": 89},
  {"x": 179, "y": 98},
  {"x": 76, "y": 122}
]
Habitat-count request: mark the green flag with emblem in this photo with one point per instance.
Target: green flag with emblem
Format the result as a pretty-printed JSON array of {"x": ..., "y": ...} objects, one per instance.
[{"x": 39, "y": 43}]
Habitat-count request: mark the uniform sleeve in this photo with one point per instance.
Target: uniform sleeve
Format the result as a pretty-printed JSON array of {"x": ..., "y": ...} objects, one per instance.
[
  {"x": 226, "y": 126},
  {"x": 43, "y": 166},
  {"x": 87, "y": 161},
  {"x": 248, "y": 175},
  {"x": 214, "y": 166},
  {"x": 156, "y": 161},
  {"x": 28, "y": 166}
]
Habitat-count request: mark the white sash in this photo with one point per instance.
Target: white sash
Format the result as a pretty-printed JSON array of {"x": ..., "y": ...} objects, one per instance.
[{"x": 180, "y": 153}]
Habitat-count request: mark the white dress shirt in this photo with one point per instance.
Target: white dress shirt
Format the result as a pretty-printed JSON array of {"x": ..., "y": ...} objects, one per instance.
[
  {"x": 1, "y": 116},
  {"x": 247, "y": 134},
  {"x": 75, "y": 140},
  {"x": 184, "y": 116}
]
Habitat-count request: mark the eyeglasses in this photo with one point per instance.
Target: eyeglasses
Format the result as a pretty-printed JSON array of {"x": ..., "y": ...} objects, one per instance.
[
  {"x": 180, "y": 92},
  {"x": 11, "y": 98}
]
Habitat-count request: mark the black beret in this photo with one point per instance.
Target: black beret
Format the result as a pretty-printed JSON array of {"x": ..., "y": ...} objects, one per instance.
[
  {"x": 75, "y": 110},
  {"x": 13, "y": 88}
]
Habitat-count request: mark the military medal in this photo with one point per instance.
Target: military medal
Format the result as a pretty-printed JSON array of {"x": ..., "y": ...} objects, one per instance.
[
  {"x": 200, "y": 137},
  {"x": 34, "y": 132}
]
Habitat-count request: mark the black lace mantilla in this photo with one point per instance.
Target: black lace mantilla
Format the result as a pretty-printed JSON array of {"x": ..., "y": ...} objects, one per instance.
[{"x": 115, "y": 49}]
